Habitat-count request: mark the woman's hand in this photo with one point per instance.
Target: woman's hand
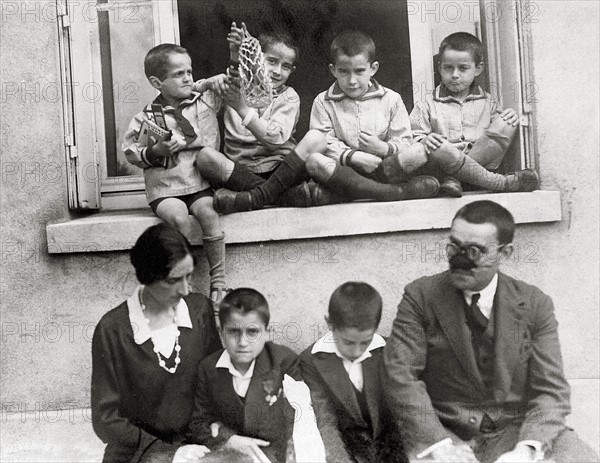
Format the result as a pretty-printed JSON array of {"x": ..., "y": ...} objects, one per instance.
[
  {"x": 249, "y": 446},
  {"x": 190, "y": 453}
]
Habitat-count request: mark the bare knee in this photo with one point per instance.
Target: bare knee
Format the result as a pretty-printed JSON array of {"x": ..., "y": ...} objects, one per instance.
[
  {"x": 206, "y": 215},
  {"x": 446, "y": 154},
  {"x": 412, "y": 157},
  {"x": 501, "y": 128},
  {"x": 179, "y": 221},
  {"x": 320, "y": 167},
  {"x": 313, "y": 142},
  {"x": 213, "y": 165}
]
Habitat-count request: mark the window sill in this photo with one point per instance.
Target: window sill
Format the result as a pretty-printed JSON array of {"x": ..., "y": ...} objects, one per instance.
[{"x": 117, "y": 231}]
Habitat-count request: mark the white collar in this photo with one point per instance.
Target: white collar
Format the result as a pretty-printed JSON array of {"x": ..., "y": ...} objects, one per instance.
[
  {"x": 225, "y": 362},
  {"x": 141, "y": 332},
  {"x": 487, "y": 294},
  {"x": 327, "y": 345}
]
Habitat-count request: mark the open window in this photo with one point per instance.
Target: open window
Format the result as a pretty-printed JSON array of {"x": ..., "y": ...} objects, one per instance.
[{"x": 103, "y": 43}]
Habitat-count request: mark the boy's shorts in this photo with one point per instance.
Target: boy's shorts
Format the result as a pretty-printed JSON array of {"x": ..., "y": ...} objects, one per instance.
[{"x": 187, "y": 199}]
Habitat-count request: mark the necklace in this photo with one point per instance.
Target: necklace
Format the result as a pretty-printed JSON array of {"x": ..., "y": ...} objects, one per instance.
[{"x": 161, "y": 361}]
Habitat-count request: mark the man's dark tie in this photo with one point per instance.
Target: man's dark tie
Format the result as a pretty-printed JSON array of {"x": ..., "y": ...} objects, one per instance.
[{"x": 480, "y": 320}]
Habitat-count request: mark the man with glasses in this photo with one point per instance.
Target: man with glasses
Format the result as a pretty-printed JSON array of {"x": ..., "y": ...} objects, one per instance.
[{"x": 473, "y": 369}]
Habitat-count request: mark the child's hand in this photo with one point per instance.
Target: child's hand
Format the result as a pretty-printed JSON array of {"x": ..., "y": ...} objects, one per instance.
[
  {"x": 165, "y": 148},
  {"x": 510, "y": 116},
  {"x": 218, "y": 84},
  {"x": 249, "y": 446},
  {"x": 233, "y": 95},
  {"x": 190, "y": 453},
  {"x": 370, "y": 143},
  {"x": 235, "y": 37},
  {"x": 433, "y": 141},
  {"x": 364, "y": 163}
]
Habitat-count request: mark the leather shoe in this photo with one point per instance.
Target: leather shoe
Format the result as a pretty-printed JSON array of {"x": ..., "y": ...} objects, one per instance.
[
  {"x": 226, "y": 201},
  {"x": 321, "y": 196},
  {"x": 450, "y": 186},
  {"x": 523, "y": 180},
  {"x": 422, "y": 186},
  {"x": 297, "y": 196}
]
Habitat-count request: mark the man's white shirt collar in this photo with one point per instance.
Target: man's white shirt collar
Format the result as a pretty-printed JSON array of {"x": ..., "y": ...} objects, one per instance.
[
  {"x": 241, "y": 382},
  {"x": 486, "y": 299},
  {"x": 141, "y": 331}
]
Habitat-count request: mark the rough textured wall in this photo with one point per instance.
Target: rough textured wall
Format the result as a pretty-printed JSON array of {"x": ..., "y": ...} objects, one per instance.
[{"x": 51, "y": 303}]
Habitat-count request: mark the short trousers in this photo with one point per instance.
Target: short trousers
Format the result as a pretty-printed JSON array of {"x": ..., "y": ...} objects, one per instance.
[{"x": 187, "y": 199}]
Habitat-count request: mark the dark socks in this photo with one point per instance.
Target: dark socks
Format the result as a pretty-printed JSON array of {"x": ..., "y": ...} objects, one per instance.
[
  {"x": 348, "y": 183},
  {"x": 289, "y": 173},
  {"x": 242, "y": 179}
]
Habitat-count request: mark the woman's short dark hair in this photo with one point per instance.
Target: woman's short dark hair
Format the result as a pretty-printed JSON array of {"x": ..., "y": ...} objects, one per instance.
[
  {"x": 355, "y": 305},
  {"x": 157, "y": 251},
  {"x": 244, "y": 300}
]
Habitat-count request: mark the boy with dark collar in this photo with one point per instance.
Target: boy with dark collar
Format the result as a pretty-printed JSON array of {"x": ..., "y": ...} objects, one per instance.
[
  {"x": 342, "y": 370},
  {"x": 239, "y": 404}
]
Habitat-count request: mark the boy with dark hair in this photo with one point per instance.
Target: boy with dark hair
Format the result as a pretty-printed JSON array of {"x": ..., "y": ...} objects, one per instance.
[
  {"x": 364, "y": 123},
  {"x": 461, "y": 129},
  {"x": 239, "y": 404},
  {"x": 342, "y": 370},
  {"x": 175, "y": 188},
  {"x": 262, "y": 160}
]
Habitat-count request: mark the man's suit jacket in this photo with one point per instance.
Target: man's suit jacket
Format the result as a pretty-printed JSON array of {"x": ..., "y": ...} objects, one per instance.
[
  {"x": 217, "y": 402},
  {"x": 432, "y": 381},
  {"x": 346, "y": 434}
]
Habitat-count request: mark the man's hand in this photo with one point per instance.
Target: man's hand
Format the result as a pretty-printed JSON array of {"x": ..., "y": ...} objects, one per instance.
[
  {"x": 433, "y": 141},
  {"x": 364, "y": 163},
  {"x": 249, "y": 446},
  {"x": 370, "y": 143},
  {"x": 521, "y": 453},
  {"x": 454, "y": 453},
  {"x": 190, "y": 453},
  {"x": 510, "y": 116}
]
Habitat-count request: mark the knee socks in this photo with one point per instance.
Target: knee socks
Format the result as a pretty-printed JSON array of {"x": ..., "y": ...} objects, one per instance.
[
  {"x": 290, "y": 172},
  {"x": 348, "y": 183},
  {"x": 214, "y": 248},
  {"x": 242, "y": 179}
]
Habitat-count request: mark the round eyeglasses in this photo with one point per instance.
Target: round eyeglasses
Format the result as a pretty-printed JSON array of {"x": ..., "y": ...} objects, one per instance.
[{"x": 473, "y": 251}]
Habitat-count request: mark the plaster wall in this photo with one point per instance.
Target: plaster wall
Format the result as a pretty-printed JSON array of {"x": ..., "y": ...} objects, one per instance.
[{"x": 50, "y": 304}]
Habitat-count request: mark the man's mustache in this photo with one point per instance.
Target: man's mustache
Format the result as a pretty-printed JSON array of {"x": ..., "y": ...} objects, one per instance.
[{"x": 461, "y": 262}]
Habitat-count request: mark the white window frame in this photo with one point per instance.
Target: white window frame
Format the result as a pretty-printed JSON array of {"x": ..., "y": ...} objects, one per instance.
[
  {"x": 506, "y": 35},
  {"x": 506, "y": 39},
  {"x": 89, "y": 189}
]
